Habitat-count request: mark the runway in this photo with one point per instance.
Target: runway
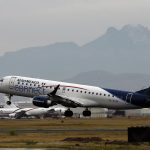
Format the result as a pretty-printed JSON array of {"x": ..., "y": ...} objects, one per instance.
[{"x": 63, "y": 130}]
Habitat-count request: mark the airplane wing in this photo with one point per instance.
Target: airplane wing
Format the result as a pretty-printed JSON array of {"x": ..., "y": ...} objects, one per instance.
[
  {"x": 65, "y": 101},
  {"x": 43, "y": 100}
]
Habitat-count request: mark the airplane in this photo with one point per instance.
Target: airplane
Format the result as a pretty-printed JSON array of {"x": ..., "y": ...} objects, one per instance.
[
  {"x": 46, "y": 93},
  {"x": 12, "y": 111}
]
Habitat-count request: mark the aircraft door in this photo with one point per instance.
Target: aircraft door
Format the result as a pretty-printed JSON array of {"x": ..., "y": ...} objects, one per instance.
[
  {"x": 63, "y": 89},
  {"x": 12, "y": 81},
  {"x": 129, "y": 97}
]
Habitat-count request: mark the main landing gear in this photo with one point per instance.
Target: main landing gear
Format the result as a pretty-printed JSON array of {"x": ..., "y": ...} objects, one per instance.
[
  {"x": 69, "y": 113},
  {"x": 86, "y": 113}
]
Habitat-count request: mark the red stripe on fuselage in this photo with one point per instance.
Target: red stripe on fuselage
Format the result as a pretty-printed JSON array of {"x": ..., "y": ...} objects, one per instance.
[{"x": 66, "y": 87}]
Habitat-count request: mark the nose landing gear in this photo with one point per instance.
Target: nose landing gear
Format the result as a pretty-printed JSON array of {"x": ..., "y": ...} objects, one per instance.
[
  {"x": 7, "y": 98},
  {"x": 8, "y": 102}
]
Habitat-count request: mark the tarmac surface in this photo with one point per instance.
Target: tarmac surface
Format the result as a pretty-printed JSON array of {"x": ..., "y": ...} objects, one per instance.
[{"x": 64, "y": 130}]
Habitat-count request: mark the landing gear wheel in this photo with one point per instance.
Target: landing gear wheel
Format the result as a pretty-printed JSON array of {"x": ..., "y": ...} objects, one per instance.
[
  {"x": 7, "y": 99},
  {"x": 8, "y": 102},
  {"x": 86, "y": 113},
  {"x": 68, "y": 113}
]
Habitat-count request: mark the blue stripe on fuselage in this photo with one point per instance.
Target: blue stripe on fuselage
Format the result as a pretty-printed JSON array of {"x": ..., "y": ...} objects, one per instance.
[{"x": 119, "y": 94}]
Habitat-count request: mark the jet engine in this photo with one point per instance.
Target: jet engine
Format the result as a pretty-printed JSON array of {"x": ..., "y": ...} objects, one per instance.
[{"x": 43, "y": 101}]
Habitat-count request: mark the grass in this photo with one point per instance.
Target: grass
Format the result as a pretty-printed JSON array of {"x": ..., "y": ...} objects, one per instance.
[{"x": 10, "y": 137}]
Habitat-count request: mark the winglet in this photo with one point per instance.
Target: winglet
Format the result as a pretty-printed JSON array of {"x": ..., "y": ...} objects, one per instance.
[{"x": 54, "y": 91}]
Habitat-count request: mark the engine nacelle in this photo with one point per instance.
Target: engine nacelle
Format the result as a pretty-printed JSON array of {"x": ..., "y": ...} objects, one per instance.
[{"x": 42, "y": 101}]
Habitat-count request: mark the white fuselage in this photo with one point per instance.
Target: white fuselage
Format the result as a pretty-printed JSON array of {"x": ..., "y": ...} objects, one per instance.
[{"x": 88, "y": 96}]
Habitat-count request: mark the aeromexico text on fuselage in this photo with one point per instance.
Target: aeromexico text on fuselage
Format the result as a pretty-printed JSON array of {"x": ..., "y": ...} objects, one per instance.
[{"x": 71, "y": 94}]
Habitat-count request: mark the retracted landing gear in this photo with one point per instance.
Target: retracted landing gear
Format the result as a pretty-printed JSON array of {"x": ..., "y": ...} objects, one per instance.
[
  {"x": 68, "y": 113},
  {"x": 86, "y": 113}
]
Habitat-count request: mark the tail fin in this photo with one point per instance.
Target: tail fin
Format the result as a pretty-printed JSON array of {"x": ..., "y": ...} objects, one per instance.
[
  {"x": 145, "y": 91},
  {"x": 8, "y": 106}
]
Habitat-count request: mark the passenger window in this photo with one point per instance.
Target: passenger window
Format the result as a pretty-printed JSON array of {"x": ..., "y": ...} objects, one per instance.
[
  {"x": 89, "y": 92},
  {"x": 85, "y": 92},
  {"x": 104, "y": 94},
  {"x": 76, "y": 90}
]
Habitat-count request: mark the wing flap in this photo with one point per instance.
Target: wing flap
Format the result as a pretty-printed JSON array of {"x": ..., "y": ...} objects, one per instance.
[{"x": 67, "y": 102}]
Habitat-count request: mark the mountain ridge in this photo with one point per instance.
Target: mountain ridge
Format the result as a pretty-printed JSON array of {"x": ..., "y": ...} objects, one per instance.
[
  {"x": 105, "y": 79},
  {"x": 118, "y": 51}
]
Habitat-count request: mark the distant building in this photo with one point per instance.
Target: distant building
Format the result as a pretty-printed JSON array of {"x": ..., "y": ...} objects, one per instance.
[
  {"x": 95, "y": 112},
  {"x": 138, "y": 112},
  {"x": 99, "y": 112}
]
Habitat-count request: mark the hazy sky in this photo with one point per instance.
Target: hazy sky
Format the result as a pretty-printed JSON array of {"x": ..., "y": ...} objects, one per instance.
[{"x": 25, "y": 23}]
